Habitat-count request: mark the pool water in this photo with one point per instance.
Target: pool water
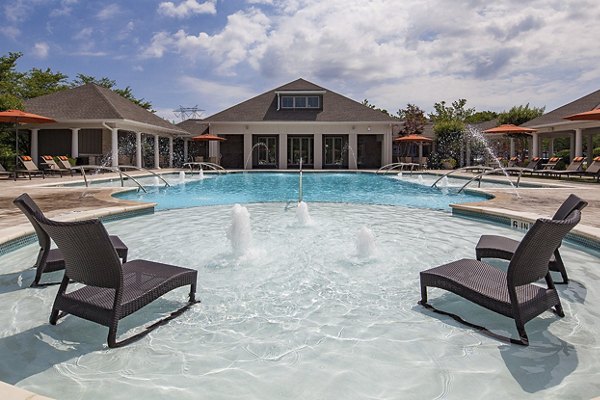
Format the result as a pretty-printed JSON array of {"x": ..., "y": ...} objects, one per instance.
[
  {"x": 303, "y": 313},
  {"x": 244, "y": 188}
]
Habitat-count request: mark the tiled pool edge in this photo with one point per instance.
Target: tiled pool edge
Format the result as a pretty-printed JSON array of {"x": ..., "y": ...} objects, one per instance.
[
  {"x": 106, "y": 215},
  {"x": 578, "y": 235}
]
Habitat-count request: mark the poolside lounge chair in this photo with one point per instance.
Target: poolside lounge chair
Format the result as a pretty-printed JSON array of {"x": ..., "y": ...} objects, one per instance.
[
  {"x": 494, "y": 246},
  {"x": 53, "y": 167},
  {"x": 593, "y": 169},
  {"x": 108, "y": 291},
  {"x": 30, "y": 167},
  {"x": 550, "y": 165},
  {"x": 512, "y": 162},
  {"x": 534, "y": 163},
  {"x": 575, "y": 167},
  {"x": 5, "y": 172},
  {"x": 510, "y": 293},
  {"x": 63, "y": 162},
  {"x": 50, "y": 260}
]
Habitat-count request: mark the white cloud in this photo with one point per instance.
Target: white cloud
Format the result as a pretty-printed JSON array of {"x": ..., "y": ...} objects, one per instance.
[
  {"x": 108, "y": 12},
  {"x": 40, "y": 50},
  {"x": 214, "y": 96},
  {"x": 186, "y": 8},
  {"x": 65, "y": 8},
  {"x": 10, "y": 32}
]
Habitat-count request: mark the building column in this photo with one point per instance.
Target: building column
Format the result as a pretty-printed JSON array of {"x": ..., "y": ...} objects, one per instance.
[
  {"x": 74, "y": 142},
  {"x": 283, "y": 151},
  {"x": 535, "y": 145},
  {"x": 170, "y": 151},
  {"x": 352, "y": 148},
  {"x": 551, "y": 149},
  {"x": 467, "y": 152},
  {"x": 572, "y": 146},
  {"x": 318, "y": 150},
  {"x": 386, "y": 148},
  {"x": 35, "y": 153},
  {"x": 114, "y": 146},
  {"x": 247, "y": 150},
  {"x": 157, "y": 151},
  {"x": 578, "y": 142},
  {"x": 512, "y": 147},
  {"x": 138, "y": 149},
  {"x": 590, "y": 148},
  {"x": 185, "y": 150}
]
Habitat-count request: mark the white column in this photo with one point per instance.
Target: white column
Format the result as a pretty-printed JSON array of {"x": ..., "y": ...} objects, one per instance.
[
  {"x": 318, "y": 150},
  {"x": 35, "y": 153},
  {"x": 138, "y": 149},
  {"x": 353, "y": 144},
  {"x": 170, "y": 151},
  {"x": 185, "y": 150},
  {"x": 572, "y": 146},
  {"x": 283, "y": 151},
  {"x": 535, "y": 145},
  {"x": 156, "y": 151},
  {"x": 467, "y": 152},
  {"x": 590, "y": 148},
  {"x": 386, "y": 148},
  {"x": 578, "y": 142},
  {"x": 551, "y": 149},
  {"x": 74, "y": 142},
  {"x": 247, "y": 150},
  {"x": 512, "y": 147},
  {"x": 114, "y": 146}
]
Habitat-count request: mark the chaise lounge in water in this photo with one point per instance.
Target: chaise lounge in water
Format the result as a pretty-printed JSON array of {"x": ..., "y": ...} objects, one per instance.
[
  {"x": 510, "y": 293},
  {"x": 108, "y": 291}
]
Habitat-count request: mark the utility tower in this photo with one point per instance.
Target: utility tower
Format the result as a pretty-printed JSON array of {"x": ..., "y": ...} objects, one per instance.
[{"x": 184, "y": 113}]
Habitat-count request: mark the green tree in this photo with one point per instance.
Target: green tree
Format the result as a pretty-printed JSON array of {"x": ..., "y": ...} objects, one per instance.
[
  {"x": 108, "y": 83},
  {"x": 481, "y": 116},
  {"x": 37, "y": 82},
  {"x": 9, "y": 82},
  {"x": 413, "y": 119},
  {"x": 456, "y": 112},
  {"x": 365, "y": 102},
  {"x": 520, "y": 114},
  {"x": 449, "y": 130}
]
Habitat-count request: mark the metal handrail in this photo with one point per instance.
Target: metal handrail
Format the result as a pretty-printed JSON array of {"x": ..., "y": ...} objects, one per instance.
[
  {"x": 477, "y": 167},
  {"x": 120, "y": 167},
  {"x": 83, "y": 168},
  {"x": 495, "y": 170},
  {"x": 213, "y": 166},
  {"x": 393, "y": 166}
]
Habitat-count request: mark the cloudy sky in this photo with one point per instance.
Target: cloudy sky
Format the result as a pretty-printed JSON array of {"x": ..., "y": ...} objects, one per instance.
[{"x": 216, "y": 53}]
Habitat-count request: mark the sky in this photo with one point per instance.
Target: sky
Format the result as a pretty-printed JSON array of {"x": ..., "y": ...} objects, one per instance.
[{"x": 217, "y": 53}]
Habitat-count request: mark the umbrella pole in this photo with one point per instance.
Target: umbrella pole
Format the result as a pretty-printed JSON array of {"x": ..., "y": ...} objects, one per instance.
[{"x": 16, "y": 147}]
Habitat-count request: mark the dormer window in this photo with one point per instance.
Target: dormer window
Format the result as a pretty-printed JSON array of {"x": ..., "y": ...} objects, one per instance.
[{"x": 300, "y": 100}]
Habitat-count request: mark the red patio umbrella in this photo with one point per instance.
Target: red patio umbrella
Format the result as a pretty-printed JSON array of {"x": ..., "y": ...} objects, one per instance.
[
  {"x": 21, "y": 117},
  {"x": 593, "y": 115},
  {"x": 413, "y": 138},
  {"x": 510, "y": 129},
  {"x": 208, "y": 137}
]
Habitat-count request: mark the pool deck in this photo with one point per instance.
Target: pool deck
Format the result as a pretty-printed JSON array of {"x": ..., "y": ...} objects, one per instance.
[{"x": 76, "y": 203}]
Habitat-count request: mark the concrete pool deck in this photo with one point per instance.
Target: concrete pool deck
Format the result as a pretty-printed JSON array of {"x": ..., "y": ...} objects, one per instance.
[{"x": 75, "y": 203}]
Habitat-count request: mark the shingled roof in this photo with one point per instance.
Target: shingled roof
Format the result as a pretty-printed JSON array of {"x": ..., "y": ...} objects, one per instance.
[
  {"x": 335, "y": 108},
  {"x": 194, "y": 126},
  {"x": 93, "y": 102},
  {"x": 585, "y": 103}
]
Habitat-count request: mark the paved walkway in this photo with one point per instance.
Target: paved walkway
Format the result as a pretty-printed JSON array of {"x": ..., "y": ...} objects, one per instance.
[{"x": 79, "y": 203}]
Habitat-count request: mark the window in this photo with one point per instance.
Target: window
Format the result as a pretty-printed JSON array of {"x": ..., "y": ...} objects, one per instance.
[{"x": 300, "y": 102}]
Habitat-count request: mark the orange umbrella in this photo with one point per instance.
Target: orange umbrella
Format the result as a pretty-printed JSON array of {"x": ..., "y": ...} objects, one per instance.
[
  {"x": 510, "y": 129},
  {"x": 21, "y": 117},
  {"x": 593, "y": 115},
  {"x": 413, "y": 138},
  {"x": 207, "y": 137}
]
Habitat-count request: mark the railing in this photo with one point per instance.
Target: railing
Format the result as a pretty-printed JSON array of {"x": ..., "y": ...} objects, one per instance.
[
  {"x": 121, "y": 167},
  {"x": 394, "y": 166},
  {"x": 496, "y": 170},
  {"x": 213, "y": 166},
  {"x": 463, "y": 169},
  {"x": 83, "y": 168}
]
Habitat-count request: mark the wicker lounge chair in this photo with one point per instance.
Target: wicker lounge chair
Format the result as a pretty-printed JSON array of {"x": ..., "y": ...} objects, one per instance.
[
  {"x": 575, "y": 168},
  {"x": 5, "y": 172},
  {"x": 50, "y": 260},
  {"x": 107, "y": 290},
  {"x": 510, "y": 293},
  {"x": 494, "y": 246},
  {"x": 593, "y": 169},
  {"x": 30, "y": 168},
  {"x": 53, "y": 167},
  {"x": 63, "y": 162}
]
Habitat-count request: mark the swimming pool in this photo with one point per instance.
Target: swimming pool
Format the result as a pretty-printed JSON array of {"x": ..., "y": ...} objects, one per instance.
[
  {"x": 306, "y": 310},
  {"x": 245, "y": 188}
]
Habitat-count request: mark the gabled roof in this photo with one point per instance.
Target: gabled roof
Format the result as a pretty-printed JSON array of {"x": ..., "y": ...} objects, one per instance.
[
  {"x": 93, "y": 102},
  {"x": 585, "y": 103},
  {"x": 194, "y": 126},
  {"x": 335, "y": 108}
]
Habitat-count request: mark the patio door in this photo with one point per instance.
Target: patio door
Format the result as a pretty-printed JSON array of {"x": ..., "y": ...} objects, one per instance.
[
  {"x": 300, "y": 147},
  {"x": 334, "y": 148},
  {"x": 265, "y": 152}
]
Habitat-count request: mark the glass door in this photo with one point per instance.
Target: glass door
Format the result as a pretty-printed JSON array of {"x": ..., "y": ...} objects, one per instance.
[
  {"x": 265, "y": 151},
  {"x": 300, "y": 147},
  {"x": 334, "y": 148}
]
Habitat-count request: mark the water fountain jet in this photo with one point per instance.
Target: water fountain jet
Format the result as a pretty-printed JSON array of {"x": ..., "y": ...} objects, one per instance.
[
  {"x": 240, "y": 232},
  {"x": 365, "y": 243}
]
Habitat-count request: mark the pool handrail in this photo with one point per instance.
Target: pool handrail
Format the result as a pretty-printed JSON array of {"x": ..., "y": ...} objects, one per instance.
[
  {"x": 83, "y": 168},
  {"x": 133, "y": 167},
  {"x": 496, "y": 170},
  {"x": 392, "y": 166},
  {"x": 213, "y": 166},
  {"x": 470, "y": 168}
]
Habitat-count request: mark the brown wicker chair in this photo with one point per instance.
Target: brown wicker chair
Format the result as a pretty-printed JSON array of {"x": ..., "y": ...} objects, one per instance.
[
  {"x": 110, "y": 291},
  {"x": 494, "y": 246},
  {"x": 510, "y": 293},
  {"x": 50, "y": 260}
]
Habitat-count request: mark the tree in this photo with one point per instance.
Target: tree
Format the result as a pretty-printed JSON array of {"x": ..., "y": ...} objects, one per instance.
[
  {"x": 413, "y": 119},
  {"x": 37, "y": 82},
  {"x": 365, "y": 102},
  {"x": 108, "y": 83},
  {"x": 9, "y": 88},
  {"x": 481, "y": 116},
  {"x": 520, "y": 114},
  {"x": 449, "y": 129},
  {"x": 455, "y": 112}
]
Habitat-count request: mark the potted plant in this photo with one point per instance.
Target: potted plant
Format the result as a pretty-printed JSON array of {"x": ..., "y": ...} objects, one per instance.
[{"x": 448, "y": 163}]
